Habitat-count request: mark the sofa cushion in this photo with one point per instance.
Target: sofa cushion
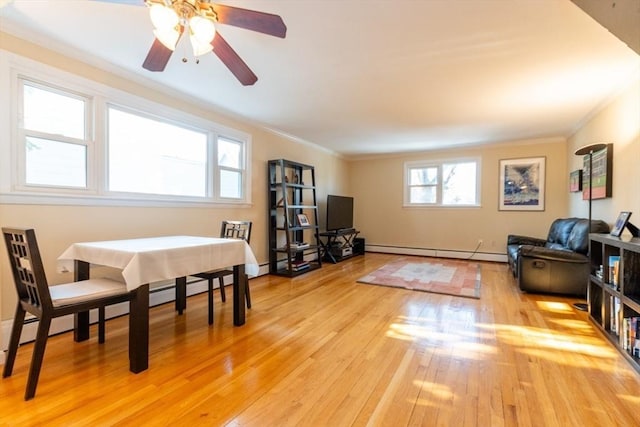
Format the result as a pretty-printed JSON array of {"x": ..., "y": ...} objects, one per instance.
[
  {"x": 556, "y": 246},
  {"x": 560, "y": 230},
  {"x": 578, "y": 240}
]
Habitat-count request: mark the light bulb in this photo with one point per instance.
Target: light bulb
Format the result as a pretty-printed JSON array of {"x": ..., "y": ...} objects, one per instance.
[
  {"x": 169, "y": 38},
  {"x": 163, "y": 18},
  {"x": 201, "y": 33}
]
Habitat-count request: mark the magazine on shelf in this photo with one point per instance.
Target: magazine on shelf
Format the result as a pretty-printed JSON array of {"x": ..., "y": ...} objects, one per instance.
[{"x": 300, "y": 266}]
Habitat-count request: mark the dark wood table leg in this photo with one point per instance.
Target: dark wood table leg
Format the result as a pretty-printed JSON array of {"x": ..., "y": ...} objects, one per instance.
[
  {"x": 139, "y": 330},
  {"x": 81, "y": 320},
  {"x": 181, "y": 294},
  {"x": 239, "y": 289}
]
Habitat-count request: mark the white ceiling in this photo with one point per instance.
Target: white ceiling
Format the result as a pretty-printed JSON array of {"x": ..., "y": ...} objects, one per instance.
[{"x": 372, "y": 76}]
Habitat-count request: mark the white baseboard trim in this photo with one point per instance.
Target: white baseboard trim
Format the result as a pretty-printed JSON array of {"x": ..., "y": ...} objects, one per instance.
[
  {"x": 160, "y": 293},
  {"x": 437, "y": 253}
]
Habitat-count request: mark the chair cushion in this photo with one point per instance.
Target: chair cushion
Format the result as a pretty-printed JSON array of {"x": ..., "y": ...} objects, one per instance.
[{"x": 85, "y": 290}]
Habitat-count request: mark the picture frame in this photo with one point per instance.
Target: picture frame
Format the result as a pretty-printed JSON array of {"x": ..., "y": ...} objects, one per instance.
[
  {"x": 620, "y": 224},
  {"x": 575, "y": 181},
  {"x": 303, "y": 220},
  {"x": 602, "y": 178},
  {"x": 522, "y": 184}
]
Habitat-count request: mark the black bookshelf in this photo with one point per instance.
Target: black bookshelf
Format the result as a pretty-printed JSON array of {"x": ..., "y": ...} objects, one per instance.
[
  {"x": 613, "y": 293},
  {"x": 294, "y": 246}
]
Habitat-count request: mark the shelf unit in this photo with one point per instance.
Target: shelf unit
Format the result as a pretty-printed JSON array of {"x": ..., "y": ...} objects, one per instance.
[
  {"x": 614, "y": 295},
  {"x": 337, "y": 243},
  {"x": 294, "y": 248}
]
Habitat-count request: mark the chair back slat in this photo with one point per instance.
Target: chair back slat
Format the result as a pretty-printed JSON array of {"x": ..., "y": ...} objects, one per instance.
[
  {"x": 26, "y": 266},
  {"x": 236, "y": 230}
]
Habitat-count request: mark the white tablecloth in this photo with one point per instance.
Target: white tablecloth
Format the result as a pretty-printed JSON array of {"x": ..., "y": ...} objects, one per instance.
[{"x": 154, "y": 259}]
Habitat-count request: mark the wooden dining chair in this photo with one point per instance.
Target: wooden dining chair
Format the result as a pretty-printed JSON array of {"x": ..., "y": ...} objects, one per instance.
[
  {"x": 35, "y": 296},
  {"x": 228, "y": 230}
]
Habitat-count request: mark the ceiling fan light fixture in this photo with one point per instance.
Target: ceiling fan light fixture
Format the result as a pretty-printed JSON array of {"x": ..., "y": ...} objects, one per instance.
[
  {"x": 169, "y": 38},
  {"x": 163, "y": 18},
  {"x": 201, "y": 33},
  {"x": 200, "y": 49}
]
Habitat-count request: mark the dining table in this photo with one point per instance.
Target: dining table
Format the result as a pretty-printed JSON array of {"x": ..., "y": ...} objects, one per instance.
[{"x": 153, "y": 259}]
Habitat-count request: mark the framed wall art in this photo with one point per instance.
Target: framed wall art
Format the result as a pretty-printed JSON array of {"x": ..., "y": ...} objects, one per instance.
[
  {"x": 602, "y": 179},
  {"x": 522, "y": 184},
  {"x": 575, "y": 181}
]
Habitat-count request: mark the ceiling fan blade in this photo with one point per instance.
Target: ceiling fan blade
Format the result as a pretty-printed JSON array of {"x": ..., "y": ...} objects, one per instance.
[
  {"x": 234, "y": 63},
  {"x": 261, "y": 22},
  {"x": 158, "y": 57}
]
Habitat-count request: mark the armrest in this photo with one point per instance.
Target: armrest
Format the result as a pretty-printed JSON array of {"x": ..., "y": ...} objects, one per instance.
[
  {"x": 551, "y": 254},
  {"x": 514, "y": 239}
]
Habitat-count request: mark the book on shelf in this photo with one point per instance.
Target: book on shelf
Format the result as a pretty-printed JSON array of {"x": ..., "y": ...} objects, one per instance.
[
  {"x": 299, "y": 245},
  {"x": 614, "y": 265},
  {"x": 635, "y": 331},
  {"x": 294, "y": 246},
  {"x": 614, "y": 311},
  {"x": 300, "y": 267},
  {"x": 631, "y": 335}
]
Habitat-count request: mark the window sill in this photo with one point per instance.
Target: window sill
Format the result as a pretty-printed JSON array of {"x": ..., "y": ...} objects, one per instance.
[{"x": 134, "y": 201}]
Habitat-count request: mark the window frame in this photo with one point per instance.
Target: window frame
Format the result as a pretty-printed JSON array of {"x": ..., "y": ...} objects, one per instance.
[
  {"x": 221, "y": 168},
  {"x": 438, "y": 164},
  {"x": 14, "y": 70},
  {"x": 22, "y": 134}
]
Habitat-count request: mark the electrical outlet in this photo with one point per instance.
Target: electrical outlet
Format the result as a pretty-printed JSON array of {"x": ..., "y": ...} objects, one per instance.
[{"x": 479, "y": 241}]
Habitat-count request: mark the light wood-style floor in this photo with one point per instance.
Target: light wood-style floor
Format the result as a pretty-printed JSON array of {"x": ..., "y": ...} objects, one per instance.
[{"x": 323, "y": 350}]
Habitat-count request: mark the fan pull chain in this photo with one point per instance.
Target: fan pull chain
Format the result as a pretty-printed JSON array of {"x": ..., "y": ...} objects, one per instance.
[{"x": 184, "y": 55}]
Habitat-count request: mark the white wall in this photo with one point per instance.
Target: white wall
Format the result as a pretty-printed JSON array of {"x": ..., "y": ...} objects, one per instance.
[
  {"x": 618, "y": 122},
  {"x": 377, "y": 185}
]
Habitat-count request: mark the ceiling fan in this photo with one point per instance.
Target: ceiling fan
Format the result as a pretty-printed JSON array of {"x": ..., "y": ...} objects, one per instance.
[{"x": 171, "y": 18}]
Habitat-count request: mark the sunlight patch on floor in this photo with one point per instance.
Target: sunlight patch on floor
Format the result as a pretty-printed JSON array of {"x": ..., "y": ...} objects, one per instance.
[
  {"x": 634, "y": 400},
  {"x": 544, "y": 343},
  {"x": 474, "y": 340},
  {"x": 438, "y": 392},
  {"x": 554, "y": 306},
  {"x": 467, "y": 341},
  {"x": 573, "y": 324}
]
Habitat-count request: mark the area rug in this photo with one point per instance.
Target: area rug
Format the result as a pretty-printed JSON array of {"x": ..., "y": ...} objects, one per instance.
[{"x": 436, "y": 275}]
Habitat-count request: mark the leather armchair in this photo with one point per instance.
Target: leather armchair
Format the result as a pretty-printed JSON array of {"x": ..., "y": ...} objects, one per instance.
[{"x": 558, "y": 264}]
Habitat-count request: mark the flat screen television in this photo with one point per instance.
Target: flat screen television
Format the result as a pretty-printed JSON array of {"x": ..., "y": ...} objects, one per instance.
[{"x": 339, "y": 212}]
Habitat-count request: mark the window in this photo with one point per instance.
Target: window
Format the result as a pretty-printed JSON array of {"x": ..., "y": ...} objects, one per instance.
[
  {"x": 84, "y": 143},
  {"x": 54, "y": 136},
  {"x": 154, "y": 157},
  {"x": 442, "y": 183},
  {"x": 231, "y": 168}
]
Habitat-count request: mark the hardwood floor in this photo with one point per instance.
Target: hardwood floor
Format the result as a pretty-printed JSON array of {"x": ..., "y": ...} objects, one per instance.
[{"x": 323, "y": 350}]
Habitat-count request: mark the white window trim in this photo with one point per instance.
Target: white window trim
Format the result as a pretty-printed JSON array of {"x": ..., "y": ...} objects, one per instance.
[
  {"x": 438, "y": 163},
  {"x": 88, "y": 140},
  {"x": 243, "y": 165},
  {"x": 13, "y": 67}
]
